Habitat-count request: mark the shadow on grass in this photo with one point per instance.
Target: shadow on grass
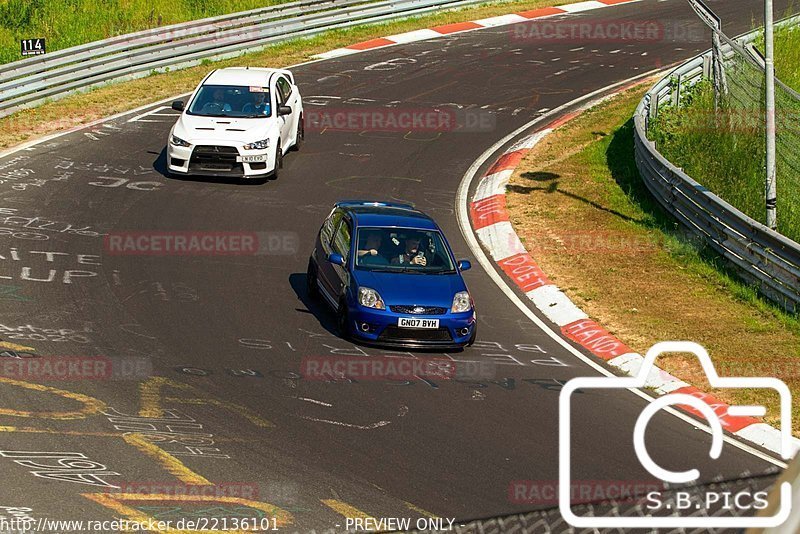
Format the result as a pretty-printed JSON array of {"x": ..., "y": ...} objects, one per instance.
[
  {"x": 552, "y": 187},
  {"x": 621, "y": 161}
]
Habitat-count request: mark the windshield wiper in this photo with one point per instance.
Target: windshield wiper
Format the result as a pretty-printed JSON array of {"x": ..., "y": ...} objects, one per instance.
[{"x": 411, "y": 271}]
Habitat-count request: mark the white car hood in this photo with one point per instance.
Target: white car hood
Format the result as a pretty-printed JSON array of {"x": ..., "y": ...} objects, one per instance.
[{"x": 193, "y": 128}]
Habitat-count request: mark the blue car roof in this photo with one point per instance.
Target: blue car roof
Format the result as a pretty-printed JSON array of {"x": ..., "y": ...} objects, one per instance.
[
  {"x": 383, "y": 214},
  {"x": 373, "y": 203}
]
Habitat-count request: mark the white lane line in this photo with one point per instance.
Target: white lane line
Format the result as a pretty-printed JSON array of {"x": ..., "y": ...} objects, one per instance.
[
  {"x": 371, "y": 426},
  {"x": 338, "y": 52},
  {"x": 462, "y": 216},
  {"x": 143, "y": 115},
  {"x": 583, "y": 6},
  {"x": 501, "y": 20},
  {"x": 315, "y": 401},
  {"x": 413, "y": 36}
]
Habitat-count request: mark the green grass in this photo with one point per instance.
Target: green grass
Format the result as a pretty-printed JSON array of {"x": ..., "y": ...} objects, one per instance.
[
  {"x": 787, "y": 55},
  {"x": 66, "y": 23},
  {"x": 582, "y": 180},
  {"x": 724, "y": 149}
]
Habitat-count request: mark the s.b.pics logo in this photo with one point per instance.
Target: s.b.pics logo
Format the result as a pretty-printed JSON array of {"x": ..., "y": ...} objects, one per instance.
[{"x": 740, "y": 505}]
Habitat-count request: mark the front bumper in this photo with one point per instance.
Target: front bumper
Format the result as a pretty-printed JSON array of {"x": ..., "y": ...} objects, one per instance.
[
  {"x": 455, "y": 329},
  {"x": 217, "y": 160}
]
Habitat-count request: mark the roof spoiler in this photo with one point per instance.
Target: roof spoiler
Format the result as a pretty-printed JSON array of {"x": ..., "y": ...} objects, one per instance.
[{"x": 377, "y": 203}]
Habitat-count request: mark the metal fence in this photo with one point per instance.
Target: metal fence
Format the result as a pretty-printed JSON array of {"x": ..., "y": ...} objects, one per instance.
[
  {"x": 761, "y": 256},
  {"x": 35, "y": 80}
]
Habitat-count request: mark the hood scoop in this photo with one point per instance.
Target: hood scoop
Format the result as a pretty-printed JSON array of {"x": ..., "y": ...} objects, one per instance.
[
  {"x": 234, "y": 130},
  {"x": 210, "y": 129}
]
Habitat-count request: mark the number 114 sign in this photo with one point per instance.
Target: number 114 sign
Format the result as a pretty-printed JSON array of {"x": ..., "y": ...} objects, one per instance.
[{"x": 32, "y": 47}]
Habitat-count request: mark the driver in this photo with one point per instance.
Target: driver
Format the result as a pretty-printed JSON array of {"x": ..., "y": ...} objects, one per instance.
[
  {"x": 218, "y": 103},
  {"x": 412, "y": 254}
]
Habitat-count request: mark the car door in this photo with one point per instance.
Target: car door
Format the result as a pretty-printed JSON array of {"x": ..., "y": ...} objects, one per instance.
[
  {"x": 325, "y": 272},
  {"x": 341, "y": 243},
  {"x": 287, "y": 122}
]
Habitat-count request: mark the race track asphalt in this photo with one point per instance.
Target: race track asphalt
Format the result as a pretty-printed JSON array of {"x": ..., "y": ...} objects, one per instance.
[{"x": 320, "y": 450}]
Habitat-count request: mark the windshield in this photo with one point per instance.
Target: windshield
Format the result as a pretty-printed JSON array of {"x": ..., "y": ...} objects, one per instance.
[
  {"x": 402, "y": 250},
  {"x": 231, "y": 101}
]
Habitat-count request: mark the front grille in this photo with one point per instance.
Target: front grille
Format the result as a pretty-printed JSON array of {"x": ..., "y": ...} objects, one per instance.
[
  {"x": 395, "y": 333},
  {"x": 425, "y": 310},
  {"x": 215, "y": 158}
]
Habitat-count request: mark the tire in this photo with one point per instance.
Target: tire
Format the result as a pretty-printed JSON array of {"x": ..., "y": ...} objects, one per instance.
[
  {"x": 343, "y": 321},
  {"x": 278, "y": 161},
  {"x": 311, "y": 281},
  {"x": 299, "y": 135}
]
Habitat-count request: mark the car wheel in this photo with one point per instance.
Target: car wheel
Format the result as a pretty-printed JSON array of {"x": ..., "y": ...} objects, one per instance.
[
  {"x": 311, "y": 280},
  {"x": 343, "y": 321},
  {"x": 300, "y": 135},
  {"x": 278, "y": 161}
]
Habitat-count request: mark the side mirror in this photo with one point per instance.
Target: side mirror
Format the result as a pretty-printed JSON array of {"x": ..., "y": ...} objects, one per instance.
[
  {"x": 336, "y": 259},
  {"x": 178, "y": 105},
  {"x": 284, "y": 110},
  {"x": 464, "y": 265}
]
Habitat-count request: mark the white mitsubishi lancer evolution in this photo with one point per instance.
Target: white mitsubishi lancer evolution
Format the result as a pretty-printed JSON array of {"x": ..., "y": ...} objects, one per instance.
[{"x": 239, "y": 122}]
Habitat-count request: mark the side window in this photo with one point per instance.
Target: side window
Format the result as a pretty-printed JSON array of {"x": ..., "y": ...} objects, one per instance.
[
  {"x": 341, "y": 241},
  {"x": 285, "y": 88},
  {"x": 326, "y": 234}
]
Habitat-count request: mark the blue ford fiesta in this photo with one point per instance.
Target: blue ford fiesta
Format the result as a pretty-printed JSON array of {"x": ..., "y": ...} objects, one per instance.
[{"x": 389, "y": 274}]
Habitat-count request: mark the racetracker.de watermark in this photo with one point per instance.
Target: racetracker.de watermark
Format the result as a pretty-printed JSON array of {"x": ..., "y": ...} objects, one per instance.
[
  {"x": 219, "y": 489},
  {"x": 591, "y": 242},
  {"x": 202, "y": 243},
  {"x": 739, "y": 120},
  {"x": 59, "y": 368},
  {"x": 328, "y": 368},
  {"x": 545, "y": 492},
  {"x": 607, "y": 31},
  {"x": 372, "y": 119}
]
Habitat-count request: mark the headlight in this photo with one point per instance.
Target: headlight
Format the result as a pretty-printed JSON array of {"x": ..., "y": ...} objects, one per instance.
[
  {"x": 258, "y": 145},
  {"x": 177, "y": 141},
  {"x": 369, "y": 298},
  {"x": 461, "y": 302}
]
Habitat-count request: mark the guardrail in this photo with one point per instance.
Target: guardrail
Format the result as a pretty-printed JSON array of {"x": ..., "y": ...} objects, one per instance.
[
  {"x": 758, "y": 254},
  {"x": 35, "y": 80}
]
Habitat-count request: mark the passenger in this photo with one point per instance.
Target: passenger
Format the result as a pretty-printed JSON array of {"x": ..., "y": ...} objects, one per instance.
[
  {"x": 412, "y": 254},
  {"x": 259, "y": 106}
]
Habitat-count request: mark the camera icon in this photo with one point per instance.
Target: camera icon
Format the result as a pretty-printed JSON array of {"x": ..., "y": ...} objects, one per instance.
[{"x": 674, "y": 477}]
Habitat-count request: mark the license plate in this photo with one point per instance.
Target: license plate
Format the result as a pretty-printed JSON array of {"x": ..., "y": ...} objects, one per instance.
[
  {"x": 251, "y": 159},
  {"x": 415, "y": 322}
]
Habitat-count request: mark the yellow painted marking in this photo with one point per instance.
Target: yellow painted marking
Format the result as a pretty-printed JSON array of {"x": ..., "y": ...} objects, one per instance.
[
  {"x": 344, "y": 509},
  {"x": 248, "y": 414},
  {"x": 31, "y": 430},
  {"x": 14, "y": 346},
  {"x": 109, "y": 501},
  {"x": 421, "y": 511},
  {"x": 90, "y": 404},
  {"x": 57, "y": 432},
  {"x": 150, "y": 392},
  {"x": 113, "y": 501},
  {"x": 170, "y": 463}
]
